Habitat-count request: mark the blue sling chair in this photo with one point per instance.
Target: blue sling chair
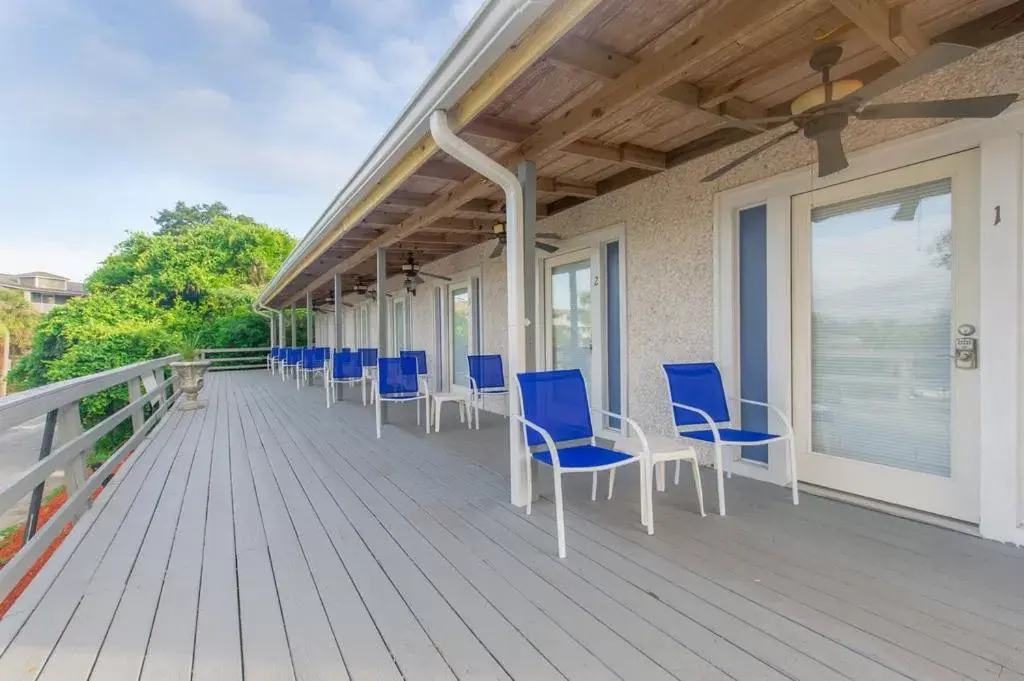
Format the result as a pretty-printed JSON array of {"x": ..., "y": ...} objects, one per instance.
[
  {"x": 292, "y": 359},
  {"x": 486, "y": 377},
  {"x": 272, "y": 358},
  {"x": 314, "y": 362},
  {"x": 556, "y": 417},
  {"x": 700, "y": 411},
  {"x": 398, "y": 380},
  {"x": 368, "y": 357},
  {"x": 345, "y": 369}
]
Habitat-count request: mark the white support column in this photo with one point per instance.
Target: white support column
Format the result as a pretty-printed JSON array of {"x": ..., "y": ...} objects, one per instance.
[
  {"x": 339, "y": 338},
  {"x": 999, "y": 334},
  {"x": 527, "y": 173},
  {"x": 295, "y": 335},
  {"x": 310, "y": 323},
  {"x": 464, "y": 152},
  {"x": 382, "y": 316}
]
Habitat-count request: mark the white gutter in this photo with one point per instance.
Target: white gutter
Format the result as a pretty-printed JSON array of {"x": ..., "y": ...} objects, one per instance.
[
  {"x": 463, "y": 151},
  {"x": 496, "y": 26}
]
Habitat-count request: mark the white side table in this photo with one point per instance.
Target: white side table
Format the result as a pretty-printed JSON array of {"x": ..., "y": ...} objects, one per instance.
[
  {"x": 462, "y": 399},
  {"x": 663, "y": 449}
]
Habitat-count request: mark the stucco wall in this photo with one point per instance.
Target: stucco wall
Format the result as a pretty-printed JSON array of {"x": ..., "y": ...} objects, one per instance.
[{"x": 669, "y": 223}]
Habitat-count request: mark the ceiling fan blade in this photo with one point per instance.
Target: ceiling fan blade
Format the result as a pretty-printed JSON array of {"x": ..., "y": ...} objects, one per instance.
[
  {"x": 932, "y": 59},
  {"x": 547, "y": 248},
  {"x": 831, "y": 156},
  {"x": 971, "y": 107},
  {"x": 550, "y": 236},
  {"x": 747, "y": 156},
  {"x": 417, "y": 280},
  {"x": 435, "y": 276},
  {"x": 499, "y": 248}
]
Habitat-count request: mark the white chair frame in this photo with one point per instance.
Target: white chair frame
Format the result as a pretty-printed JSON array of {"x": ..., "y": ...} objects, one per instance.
[
  {"x": 304, "y": 376},
  {"x": 422, "y": 396},
  {"x": 476, "y": 398},
  {"x": 644, "y": 459},
  {"x": 719, "y": 443},
  {"x": 331, "y": 384}
]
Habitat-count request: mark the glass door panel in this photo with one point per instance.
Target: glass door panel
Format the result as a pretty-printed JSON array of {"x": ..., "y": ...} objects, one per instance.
[
  {"x": 459, "y": 304},
  {"x": 572, "y": 340},
  {"x": 881, "y": 297}
]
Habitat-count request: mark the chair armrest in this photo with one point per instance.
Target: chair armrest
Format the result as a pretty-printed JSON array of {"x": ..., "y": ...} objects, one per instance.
[
  {"x": 425, "y": 386},
  {"x": 544, "y": 434},
  {"x": 473, "y": 390},
  {"x": 778, "y": 412},
  {"x": 700, "y": 412},
  {"x": 632, "y": 424}
]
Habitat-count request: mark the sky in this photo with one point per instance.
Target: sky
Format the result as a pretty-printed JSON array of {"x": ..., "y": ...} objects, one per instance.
[{"x": 111, "y": 110}]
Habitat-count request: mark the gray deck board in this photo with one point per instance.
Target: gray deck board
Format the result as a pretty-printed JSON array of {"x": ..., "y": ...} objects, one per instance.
[{"x": 266, "y": 537}]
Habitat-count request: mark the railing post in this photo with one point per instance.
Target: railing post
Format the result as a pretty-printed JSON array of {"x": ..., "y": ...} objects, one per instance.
[
  {"x": 134, "y": 393},
  {"x": 69, "y": 426},
  {"x": 32, "y": 522}
]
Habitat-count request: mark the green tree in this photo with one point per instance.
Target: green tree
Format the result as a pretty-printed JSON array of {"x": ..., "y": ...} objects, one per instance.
[
  {"x": 183, "y": 216},
  {"x": 194, "y": 281},
  {"x": 17, "y": 318}
]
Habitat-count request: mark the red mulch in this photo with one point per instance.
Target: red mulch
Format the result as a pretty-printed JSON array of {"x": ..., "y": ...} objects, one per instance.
[{"x": 13, "y": 543}]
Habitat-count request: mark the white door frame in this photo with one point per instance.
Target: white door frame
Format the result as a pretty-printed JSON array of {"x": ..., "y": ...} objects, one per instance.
[
  {"x": 1001, "y": 245},
  {"x": 957, "y": 495},
  {"x": 592, "y": 246},
  {"x": 464, "y": 280}
]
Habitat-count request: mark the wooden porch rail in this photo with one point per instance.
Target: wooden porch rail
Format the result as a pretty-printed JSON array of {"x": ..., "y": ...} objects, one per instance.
[
  {"x": 66, "y": 444},
  {"x": 234, "y": 359}
]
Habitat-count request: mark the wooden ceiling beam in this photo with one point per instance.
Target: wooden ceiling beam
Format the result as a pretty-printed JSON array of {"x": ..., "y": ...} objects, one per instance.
[
  {"x": 599, "y": 61},
  {"x": 653, "y": 74},
  {"x": 549, "y": 185},
  {"x": 454, "y": 225},
  {"x": 440, "y": 170},
  {"x": 889, "y": 28},
  {"x": 661, "y": 69},
  {"x": 409, "y": 199},
  {"x": 492, "y": 127}
]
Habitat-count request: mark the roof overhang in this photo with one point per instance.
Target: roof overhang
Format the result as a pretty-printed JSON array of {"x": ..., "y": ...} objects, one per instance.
[
  {"x": 600, "y": 94},
  {"x": 497, "y": 28}
]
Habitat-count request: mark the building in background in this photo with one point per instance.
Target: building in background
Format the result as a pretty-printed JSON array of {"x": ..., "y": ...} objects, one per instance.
[{"x": 44, "y": 290}]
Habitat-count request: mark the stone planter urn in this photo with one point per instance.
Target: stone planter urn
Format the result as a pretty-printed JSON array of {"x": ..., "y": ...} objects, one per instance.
[{"x": 190, "y": 380}]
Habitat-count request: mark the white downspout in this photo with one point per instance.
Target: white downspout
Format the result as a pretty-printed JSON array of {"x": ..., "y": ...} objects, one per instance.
[
  {"x": 256, "y": 305},
  {"x": 462, "y": 151}
]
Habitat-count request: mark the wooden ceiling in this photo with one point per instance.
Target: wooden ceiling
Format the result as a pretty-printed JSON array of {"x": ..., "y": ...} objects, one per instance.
[{"x": 635, "y": 88}]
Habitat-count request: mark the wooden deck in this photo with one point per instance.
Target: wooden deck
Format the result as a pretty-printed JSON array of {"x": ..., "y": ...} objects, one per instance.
[{"x": 266, "y": 537}]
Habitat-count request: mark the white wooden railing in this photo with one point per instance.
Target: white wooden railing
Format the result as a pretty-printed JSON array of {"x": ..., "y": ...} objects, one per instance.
[
  {"x": 66, "y": 445},
  {"x": 233, "y": 359}
]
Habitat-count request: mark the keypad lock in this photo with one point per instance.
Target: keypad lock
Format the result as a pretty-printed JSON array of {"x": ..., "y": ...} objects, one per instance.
[{"x": 965, "y": 352}]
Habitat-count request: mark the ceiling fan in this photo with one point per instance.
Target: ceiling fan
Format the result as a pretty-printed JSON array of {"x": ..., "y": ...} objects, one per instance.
[
  {"x": 329, "y": 300},
  {"x": 362, "y": 288},
  {"x": 499, "y": 248},
  {"x": 824, "y": 111},
  {"x": 414, "y": 275}
]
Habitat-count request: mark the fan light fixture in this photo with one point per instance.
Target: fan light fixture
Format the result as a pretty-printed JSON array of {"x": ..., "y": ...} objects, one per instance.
[{"x": 816, "y": 96}]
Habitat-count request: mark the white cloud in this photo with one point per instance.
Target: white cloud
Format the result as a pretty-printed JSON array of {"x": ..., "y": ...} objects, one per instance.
[
  {"x": 109, "y": 119},
  {"x": 230, "y": 15}
]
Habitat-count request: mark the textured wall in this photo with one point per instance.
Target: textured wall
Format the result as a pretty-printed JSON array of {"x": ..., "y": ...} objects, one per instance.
[{"x": 669, "y": 222}]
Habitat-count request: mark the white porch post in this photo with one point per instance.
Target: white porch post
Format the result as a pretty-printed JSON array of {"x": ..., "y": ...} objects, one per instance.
[
  {"x": 338, "y": 314},
  {"x": 295, "y": 335},
  {"x": 464, "y": 152},
  {"x": 309, "y": 319},
  {"x": 382, "y": 317},
  {"x": 527, "y": 173}
]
